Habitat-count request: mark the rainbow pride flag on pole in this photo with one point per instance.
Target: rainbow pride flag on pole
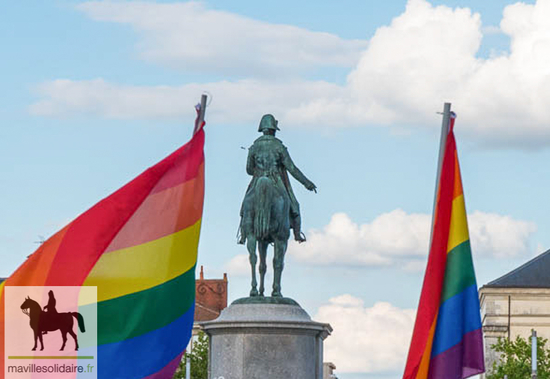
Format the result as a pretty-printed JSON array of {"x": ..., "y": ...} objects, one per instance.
[
  {"x": 447, "y": 341},
  {"x": 139, "y": 247}
]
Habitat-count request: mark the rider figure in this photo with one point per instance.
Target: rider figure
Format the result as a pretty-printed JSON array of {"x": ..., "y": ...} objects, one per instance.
[
  {"x": 269, "y": 157},
  {"x": 50, "y": 307}
]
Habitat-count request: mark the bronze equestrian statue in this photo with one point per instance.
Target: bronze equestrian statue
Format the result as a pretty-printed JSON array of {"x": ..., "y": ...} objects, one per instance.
[{"x": 270, "y": 209}]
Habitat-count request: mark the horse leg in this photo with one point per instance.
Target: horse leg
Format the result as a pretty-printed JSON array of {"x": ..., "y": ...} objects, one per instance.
[
  {"x": 64, "y": 336},
  {"x": 74, "y": 338},
  {"x": 278, "y": 265},
  {"x": 40, "y": 339},
  {"x": 262, "y": 249},
  {"x": 251, "y": 246},
  {"x": 35, "y": 339}
]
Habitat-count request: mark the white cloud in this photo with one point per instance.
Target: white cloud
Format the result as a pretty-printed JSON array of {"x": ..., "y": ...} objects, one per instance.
[
  {"x": 188, "y": 36},
  {"x": 232, "y": 102},
  {"x": 399, "y": 238},
  {"x": 238, "y": 265},
  {"x": 366, "y": 340},
  {"x": 388, "y": 237},
  {"x": 426, "y": 56},
  {"x": 500, "y": 236}
]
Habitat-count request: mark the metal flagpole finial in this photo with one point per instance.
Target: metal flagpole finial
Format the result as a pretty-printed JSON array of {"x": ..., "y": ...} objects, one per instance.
[
  {"x": 209, "y": 96},
  {"x": 201, "y": 109}
]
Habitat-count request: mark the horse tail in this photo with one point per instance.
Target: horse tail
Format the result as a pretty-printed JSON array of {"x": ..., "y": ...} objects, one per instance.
[
  {"x": 262, "y": 211},
  {"x": 80, "y": 320}
]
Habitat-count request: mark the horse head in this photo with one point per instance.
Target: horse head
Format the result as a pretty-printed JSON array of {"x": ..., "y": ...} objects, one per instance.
[{"x": 28, "y": 304}]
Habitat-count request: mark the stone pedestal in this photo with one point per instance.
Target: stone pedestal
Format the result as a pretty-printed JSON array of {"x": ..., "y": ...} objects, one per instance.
[{"x": 265, "y": 341}]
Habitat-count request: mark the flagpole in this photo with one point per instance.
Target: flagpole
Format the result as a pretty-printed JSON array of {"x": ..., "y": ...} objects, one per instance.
[
  {"x": 442, "y": 143},
  {"x": 443, "y": 140},
  {"x": 200, "y": 120},
  {"x": 202, "y": 111}
]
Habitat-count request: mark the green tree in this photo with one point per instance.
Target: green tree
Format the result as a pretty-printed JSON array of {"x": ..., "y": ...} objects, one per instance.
[
  {"x": 198, "y": 357},
  {"x": 515, "y": 359}
]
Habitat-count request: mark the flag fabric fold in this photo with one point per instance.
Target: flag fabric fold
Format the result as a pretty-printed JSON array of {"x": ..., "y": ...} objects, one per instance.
[
  {"x": 447, "y": 341},
  {"x": 139, "y": 247}
]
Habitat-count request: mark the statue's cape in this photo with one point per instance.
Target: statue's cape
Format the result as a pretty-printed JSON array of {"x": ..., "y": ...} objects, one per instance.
[{"x": 282, "y": 172}]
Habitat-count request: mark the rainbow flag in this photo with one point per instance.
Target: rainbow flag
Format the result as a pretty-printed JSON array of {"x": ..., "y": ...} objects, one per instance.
[
  {"x": 447, "y": 341},
  {"x": 139, "y": 247}
]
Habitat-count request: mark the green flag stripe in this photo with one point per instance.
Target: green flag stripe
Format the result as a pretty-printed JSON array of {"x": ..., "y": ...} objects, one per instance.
[
  {"x": 459, "y": 271},
  {"x": 140, "y": 312}
]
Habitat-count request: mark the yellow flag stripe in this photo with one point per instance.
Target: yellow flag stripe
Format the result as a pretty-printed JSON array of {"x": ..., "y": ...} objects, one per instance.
[
  {"x": 140, "y": 267},
  {"x": 458, "y": 231}
]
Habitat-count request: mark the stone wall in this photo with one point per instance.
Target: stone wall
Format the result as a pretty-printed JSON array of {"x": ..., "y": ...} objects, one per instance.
[{"x": 509, "y": 312}]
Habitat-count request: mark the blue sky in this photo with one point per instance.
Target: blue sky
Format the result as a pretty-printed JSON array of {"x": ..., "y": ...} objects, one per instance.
[{"x": 93, "y": 93}]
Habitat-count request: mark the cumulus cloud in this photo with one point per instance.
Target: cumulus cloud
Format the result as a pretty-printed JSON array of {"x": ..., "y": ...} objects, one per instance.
[
  {"x": 500, "y": 236},
  {"x": 188, "y": 36},
  {"x": 238, "y": 265},
  {"x": 428, "y": 54},
  {"x": 425, "y": 56},
  {"x": 388, "y": 237},
  {"x": 366, "y": 340},
  {"x": 400, "y": 238},
  {"x": 238, "y": 101}
]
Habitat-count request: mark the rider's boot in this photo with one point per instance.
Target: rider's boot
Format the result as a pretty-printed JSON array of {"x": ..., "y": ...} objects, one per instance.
[
  {"x": 295, "y": 225},
  {"x": 240, "y": 235}
]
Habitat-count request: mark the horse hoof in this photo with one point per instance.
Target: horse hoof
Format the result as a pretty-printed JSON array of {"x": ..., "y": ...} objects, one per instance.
[
  {"x": 34, "y": 349},
  {"x": 41, "y": 349},
  {"x": 253, "y": 292},
  {"x": 276, "y": 294}
]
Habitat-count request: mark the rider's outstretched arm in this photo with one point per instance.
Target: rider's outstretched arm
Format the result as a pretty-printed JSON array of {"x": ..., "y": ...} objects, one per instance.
[{"x": 295, "y": 171}]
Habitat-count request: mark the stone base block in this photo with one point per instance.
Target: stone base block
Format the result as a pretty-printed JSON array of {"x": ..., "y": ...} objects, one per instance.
[{"x": 265, "y": 341}]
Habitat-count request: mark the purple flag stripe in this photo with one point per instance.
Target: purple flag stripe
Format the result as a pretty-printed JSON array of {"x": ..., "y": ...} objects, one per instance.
[
  {"x": 461, "y": 361},
  {"x": 168, "y": 371}
]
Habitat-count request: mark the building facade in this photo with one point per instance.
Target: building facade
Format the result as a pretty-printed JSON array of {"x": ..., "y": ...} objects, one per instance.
[
  {"x": 516, "y": 303},
  {"x": 211, "y": 297},
  {"x": 210, "y": 300}
]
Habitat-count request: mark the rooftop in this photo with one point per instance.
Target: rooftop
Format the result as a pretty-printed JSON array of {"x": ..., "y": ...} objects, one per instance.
[
  {"x": 533, "y": 274},
  {"x": 211, "y": 297}
]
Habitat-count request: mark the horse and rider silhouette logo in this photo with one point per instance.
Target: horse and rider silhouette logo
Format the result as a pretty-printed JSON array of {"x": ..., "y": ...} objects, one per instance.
[{"x": 47, "y": 319}]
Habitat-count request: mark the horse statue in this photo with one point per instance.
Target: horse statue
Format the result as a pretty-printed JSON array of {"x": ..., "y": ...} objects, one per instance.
[
  {"x": 270, "y": 209},
  {"x": 42, "y": 322}
]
